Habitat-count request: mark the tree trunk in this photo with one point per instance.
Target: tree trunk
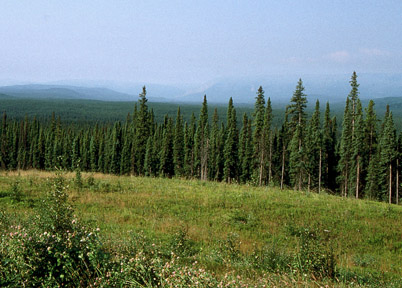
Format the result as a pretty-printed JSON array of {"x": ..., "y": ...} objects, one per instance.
[
  {"x": 283, "y": 166},
  {"x": 319, "y": 172},
  {"x": 300, "y": 181},
  {"x": 357, "y": 177},
  {"x": 390, "y": 183},
  {"x": 397, "y": 181},
  {"x": 261, "y": 168},
  {"x": 309, "y": 182},
  {"x": 346, "y": 184},
  {"x": 270, "y": 161}
]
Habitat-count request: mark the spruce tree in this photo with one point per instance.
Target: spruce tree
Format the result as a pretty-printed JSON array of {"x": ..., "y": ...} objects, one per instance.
[
  {"x": 314, "y": 150},
  {"x": 231, "y": 145},
  {"x": 258, "y": 135},
  {"x": 358, "y": 150},
  {"x": 213, "y": 144},
  {"x": 166, "y": 167},
  {"x": 148, "y": 161},
  {"x": 202, "y": 142},
  {"x": 398, "y": 166},
  {"x": 329, "y": 160},
  {"x": 284, "y": 139},
  {"x": 345, "y": 150},
  {"x": 267, "y": 144},
  {"x": 388, "y": 154},
  {"x": 245, "y": 153},
  {"x": 178, "y": 145},
  {"x": 189, "y": 147},
  {"x": 4, "y": 144},
  {"x": 297, "y": 158},
  {"x": 142, "y": 131}
]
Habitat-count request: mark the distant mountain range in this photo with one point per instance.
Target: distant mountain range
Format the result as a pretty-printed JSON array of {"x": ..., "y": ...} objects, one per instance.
[{"x": 333, "y": 88}]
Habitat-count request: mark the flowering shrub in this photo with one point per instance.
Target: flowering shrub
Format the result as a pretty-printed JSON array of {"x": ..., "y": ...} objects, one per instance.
[{"x": 52, "y": 249}]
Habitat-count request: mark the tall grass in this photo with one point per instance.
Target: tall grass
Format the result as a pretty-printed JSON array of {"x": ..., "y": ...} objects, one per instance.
[{"x": 237, "y": 230}]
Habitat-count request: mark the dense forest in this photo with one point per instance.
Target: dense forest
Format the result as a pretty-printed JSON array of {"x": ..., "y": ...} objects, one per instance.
[{"x": 362, "y": 160}]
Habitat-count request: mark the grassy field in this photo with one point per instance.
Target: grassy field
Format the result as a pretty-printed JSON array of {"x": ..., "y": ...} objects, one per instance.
[{"x": 230, "y": 228}]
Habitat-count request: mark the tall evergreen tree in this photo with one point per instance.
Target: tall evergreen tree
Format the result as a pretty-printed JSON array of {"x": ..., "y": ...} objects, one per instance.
[
  {"x": 213, "y": 146},
  {"x": 231, "y": 145},
  {"x": 284, "y": 138},
  {"x": 297, "y": 159},
  {"x": 388, "y": 154},
  {"x": 329, "y": 160},
  {"x": 358, "y": 150},
  {"x": 345, "y": 150},
  {"x": 178, "y": 145},
  {"x": 189, "y": 147},
  {"x": 166, "y": 153},
  {"x": 142, "y": 131},
  {"x": 314, "y": 150},
  {"x": 258, "y": 135},
  {"x": 245, "y": 150},
  {"x": 202, "y": 142}
]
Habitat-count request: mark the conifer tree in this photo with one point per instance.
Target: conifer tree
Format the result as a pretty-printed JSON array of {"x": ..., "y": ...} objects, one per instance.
[
  {"x": 231, "y": 145},
  {"x": 166, "y": 167},
  {"x": 258, "y": 135},
  {"x": 370, "y": 131},
  {"x": 245, "y": 150},
  {"x": 297, "y": 158},
  {"x": 189, "y": 147},
  {"x": 267, "y": 143},
  {"x": 148, "y": 161},
  {"x": 142, "y": 131},
  {"x": 202, "y": 142},
  {"x": 373, "y": 177},
  {"x": 358, "y": 150},
  {"x": 398, "y": 166},
  {"x": 214, "y": 147},
  {"x": 4, "y": 143},
  {"x": 314, "y": 150},
  {"x": 388, "y": 154},
  {"x": 345, "y": 150},
  {"x": 284, "y": 139},
  {"x": 328, "y": 155},
  {"x": 178, "y": 145}
]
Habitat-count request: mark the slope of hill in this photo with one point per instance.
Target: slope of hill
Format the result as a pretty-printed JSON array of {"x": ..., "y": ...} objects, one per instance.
[{"x": 253, "y": 232}]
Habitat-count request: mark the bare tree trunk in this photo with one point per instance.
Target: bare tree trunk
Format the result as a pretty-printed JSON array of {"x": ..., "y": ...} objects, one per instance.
[
  {"x": 270, "y": 160},
  {"x": 283, "y": 166},
  {"x": 319, "y": 172},
  {"x": 261, "y": 168},
  {"x": 309, "y": 182},
  {"x": 357, "y": 177},
  {"x": 390, "y": 183},
  {"x": 300, "y": 181},
  {"x": 397, "y": 181},
  {"x": 346, "y": 184}
]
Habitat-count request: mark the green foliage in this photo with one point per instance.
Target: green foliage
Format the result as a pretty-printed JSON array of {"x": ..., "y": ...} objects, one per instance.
[
  {"x": 53, "y": 249},
  {"x": 16, "y": 192},
  {"x": 315, "y": 257}
]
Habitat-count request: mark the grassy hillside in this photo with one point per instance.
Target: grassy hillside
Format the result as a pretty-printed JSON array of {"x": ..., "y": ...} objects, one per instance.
[{"x": 253, "y": 232}]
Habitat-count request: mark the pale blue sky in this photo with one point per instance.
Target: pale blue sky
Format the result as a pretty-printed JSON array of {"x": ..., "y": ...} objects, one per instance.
[{"x": 196, "y": 41}]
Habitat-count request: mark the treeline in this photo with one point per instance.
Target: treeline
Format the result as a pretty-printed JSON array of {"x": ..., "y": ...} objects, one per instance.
[{"x": 303, "y": 153}]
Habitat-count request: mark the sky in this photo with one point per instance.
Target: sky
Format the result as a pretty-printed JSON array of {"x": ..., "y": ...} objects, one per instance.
[{"x": 196, "y": 41}]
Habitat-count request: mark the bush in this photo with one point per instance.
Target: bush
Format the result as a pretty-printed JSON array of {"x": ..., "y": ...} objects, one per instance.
[
  {"x": 16, "y": 192},
  {"x": 52, "y": 249},
  {"x": 314, "y": 258}
]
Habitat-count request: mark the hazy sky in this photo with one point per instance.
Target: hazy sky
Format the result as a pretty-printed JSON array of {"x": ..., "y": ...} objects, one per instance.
[{"x": 196, "y": 41}]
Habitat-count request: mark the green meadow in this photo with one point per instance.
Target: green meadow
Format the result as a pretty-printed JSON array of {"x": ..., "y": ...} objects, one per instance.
[{"x": 255, "y": 233}]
